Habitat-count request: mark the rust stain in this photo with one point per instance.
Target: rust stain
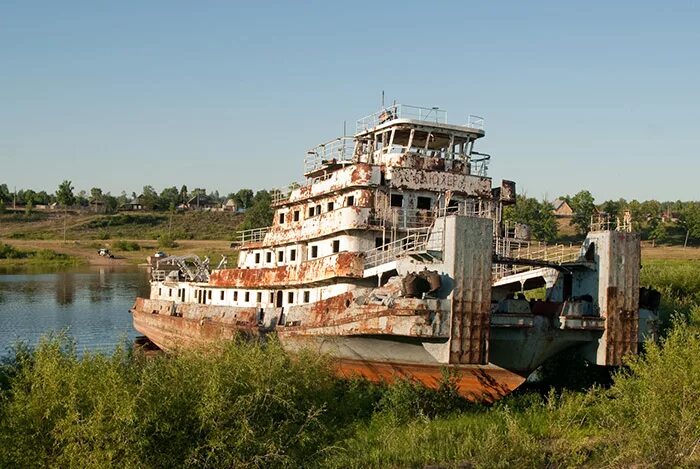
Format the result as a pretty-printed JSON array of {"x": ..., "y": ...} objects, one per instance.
[{"x": 343, "y": 264}]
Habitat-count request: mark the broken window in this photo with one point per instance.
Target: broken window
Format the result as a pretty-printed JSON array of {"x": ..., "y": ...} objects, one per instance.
[
  {"x": 209, "y": 295},
  {"x": 307, "y": 296},
  {"x": 235, "y": 295},
  {"x": 222, "y": 295},
  {"x": 330, "y": 206},
  {"x": 293, "y": 255},
  {"x": 350, "y": 201},
  {"x": 296, "y": 215},
  {"x": 280, "y": 256},
  {"x": 170, "y": 292},
  {"x": 396, "y": 200},
  {"x": 424, "y": 203},
  {"x": 268, "y": 257},
  {"x": 247, "y": 296},
  {"x": 314, "y": 252},
  {"x": 281, "y": 218},
  {"x": 336, "y": 246},
  {"x": 257, "y": 258},
  {"x": 259, "y": 297},
  {"x": 290, "y": 297},
  {"x": 312, "y": 210}
]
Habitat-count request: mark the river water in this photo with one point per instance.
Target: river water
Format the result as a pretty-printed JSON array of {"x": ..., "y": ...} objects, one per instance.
[{"x": 90, "y": 303}]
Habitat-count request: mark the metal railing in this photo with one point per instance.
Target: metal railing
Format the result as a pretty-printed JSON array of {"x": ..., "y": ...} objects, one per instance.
[
  {"x": 255, "y": 235},
  {"x": 604, "y": 222},
  {"x": 336, "y": 151},
  {"x": 420, "y": 239},
  {"x": 476, "y": 122},
  {"x": 510, "y": 248},
  {"x": 402, "y": 111}
]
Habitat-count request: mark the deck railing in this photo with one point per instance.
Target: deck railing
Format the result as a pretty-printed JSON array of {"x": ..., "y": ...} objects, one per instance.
[
  {"x": 336, "y": 151},
  {"x": 420, "y": 239},
  {"x": 255, "y": 235}
]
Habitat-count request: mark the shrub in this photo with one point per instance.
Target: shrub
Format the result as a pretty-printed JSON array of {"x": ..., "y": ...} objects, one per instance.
[
  {"x": 126, "y": 245},
  {"x": 165, "y": 241}
]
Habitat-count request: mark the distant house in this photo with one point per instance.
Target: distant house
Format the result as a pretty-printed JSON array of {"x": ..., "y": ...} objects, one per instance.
[
  {"x": 132, "y": 205},
  {"x": 96, "y": 206},
  {"x": 230, "y": 206},
  {"x": 562, "y": 209},
  {"x": 202, "y": 202}
]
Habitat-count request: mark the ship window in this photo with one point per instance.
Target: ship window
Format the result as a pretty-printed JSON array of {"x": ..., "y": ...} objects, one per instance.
[
  {"x": 314, "y": 251},
  {"x": 235, "y": 295},
  {"x": 272, "y": 297},
  {"x": 259, "y": 297},
  {"x": 222, "y": 295},
  {"x": 311, "y": 211},
  {"x": 170, "y": 292},
  {"x": 257, "y": 258},
  {"x": 268, "y": 257},
  {"x": 296, "y": 215},
  {"x": 379, "y": 242},
  {"x": 318, "y": 210},
  {"x": 160, "y": 291},
  {"x": 281, "y": 218},
  {"x": 396, "y": 200},
  {"x": 424, "y": 203},
  {"x": 290, "y": 297},
  {"x": 307, "y": 296},
  {"x": 247, "y": 296},
  {"x": 280, "y": 256},
  {"x": 336, "y": 246},
  {"x": 209, "y": 295},
  {"x": 330, "y": 206},
  {"x": 293, "y": 255},
  {"x": 350, "y": 201}
]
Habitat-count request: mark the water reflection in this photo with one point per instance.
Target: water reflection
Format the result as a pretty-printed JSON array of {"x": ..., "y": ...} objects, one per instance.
[{"x": 92, "y": 303}]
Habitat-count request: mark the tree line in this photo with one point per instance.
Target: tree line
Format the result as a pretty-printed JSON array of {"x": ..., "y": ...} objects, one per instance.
[{"x": 652, "y": 218}]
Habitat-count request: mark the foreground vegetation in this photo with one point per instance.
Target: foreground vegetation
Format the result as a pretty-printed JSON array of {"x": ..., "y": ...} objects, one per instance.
[{"x": 256, "y": 406}]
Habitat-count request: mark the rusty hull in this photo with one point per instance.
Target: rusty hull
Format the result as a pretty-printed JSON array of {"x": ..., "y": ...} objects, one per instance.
[{"x": 474, "y": 382}]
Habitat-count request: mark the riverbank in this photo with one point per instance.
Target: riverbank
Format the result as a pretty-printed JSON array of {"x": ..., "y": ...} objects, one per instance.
[{"x": 86, "y": 251}]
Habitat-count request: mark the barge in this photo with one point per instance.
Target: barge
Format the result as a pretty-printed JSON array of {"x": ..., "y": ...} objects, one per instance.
[{"x": 393, "y": 257}]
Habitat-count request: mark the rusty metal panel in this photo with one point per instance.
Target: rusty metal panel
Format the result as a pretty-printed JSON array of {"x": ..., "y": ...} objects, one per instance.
[
  {"x": 471, "y": 297},
  {"x": 341, "y": 265},
  {"x": 620, "y": 256},
  {"x": 440, "y": 181}
]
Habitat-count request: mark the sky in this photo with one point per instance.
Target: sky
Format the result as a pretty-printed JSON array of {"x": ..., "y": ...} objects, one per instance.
[{"x": 602, "y": 96}]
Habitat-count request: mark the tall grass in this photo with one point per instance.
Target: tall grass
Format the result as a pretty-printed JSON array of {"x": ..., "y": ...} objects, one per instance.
[{"x": 253, "y": 405}]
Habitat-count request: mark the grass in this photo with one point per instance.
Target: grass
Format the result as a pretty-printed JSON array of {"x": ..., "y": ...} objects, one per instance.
[
  {"x": 13, "y": 257},
  {"x": 253, "y": 405},
  {"x": 135, "y": 225}
]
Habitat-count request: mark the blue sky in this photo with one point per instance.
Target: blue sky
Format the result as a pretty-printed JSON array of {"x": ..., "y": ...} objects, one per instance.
[{"x": 600, "y": 96}]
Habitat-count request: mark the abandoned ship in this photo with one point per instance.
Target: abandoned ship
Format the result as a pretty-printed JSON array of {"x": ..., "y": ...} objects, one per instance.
[{"x": 392, "y": 257}]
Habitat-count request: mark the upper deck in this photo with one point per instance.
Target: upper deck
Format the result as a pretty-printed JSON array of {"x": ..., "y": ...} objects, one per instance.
[{"x": 404, "y": 113}]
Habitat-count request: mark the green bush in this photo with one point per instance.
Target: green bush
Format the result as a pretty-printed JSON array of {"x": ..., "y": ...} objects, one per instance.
[
  {"x": 165, "y": 241},
  {"x": 122, "y": 245}
]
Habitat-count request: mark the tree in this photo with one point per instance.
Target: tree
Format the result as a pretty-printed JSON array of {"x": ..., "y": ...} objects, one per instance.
[
  {"x": 689, "y": 218},
  {"x": 583, "y": 205},
  {"x": 65, "y": 197},
  {"x": 149, "y": 198},
  {"x": 260, "y": 213},
  {"x": 169, "y": 198},
  {"x": 64, "y": 194},
  {"x": 110, "y": 203},
  {"x": 5, "y": 195},
  {"x": 244, "y": 198},
  {"x": 183, "y": 194},
  {"x": 95, "y": 194},
  {"x": 539, "y": 216}
]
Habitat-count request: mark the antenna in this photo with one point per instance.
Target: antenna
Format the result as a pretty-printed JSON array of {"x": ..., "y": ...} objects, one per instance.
[
  {"x": 382, "y": 99},
  {"x": 345, "y": 132}
]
